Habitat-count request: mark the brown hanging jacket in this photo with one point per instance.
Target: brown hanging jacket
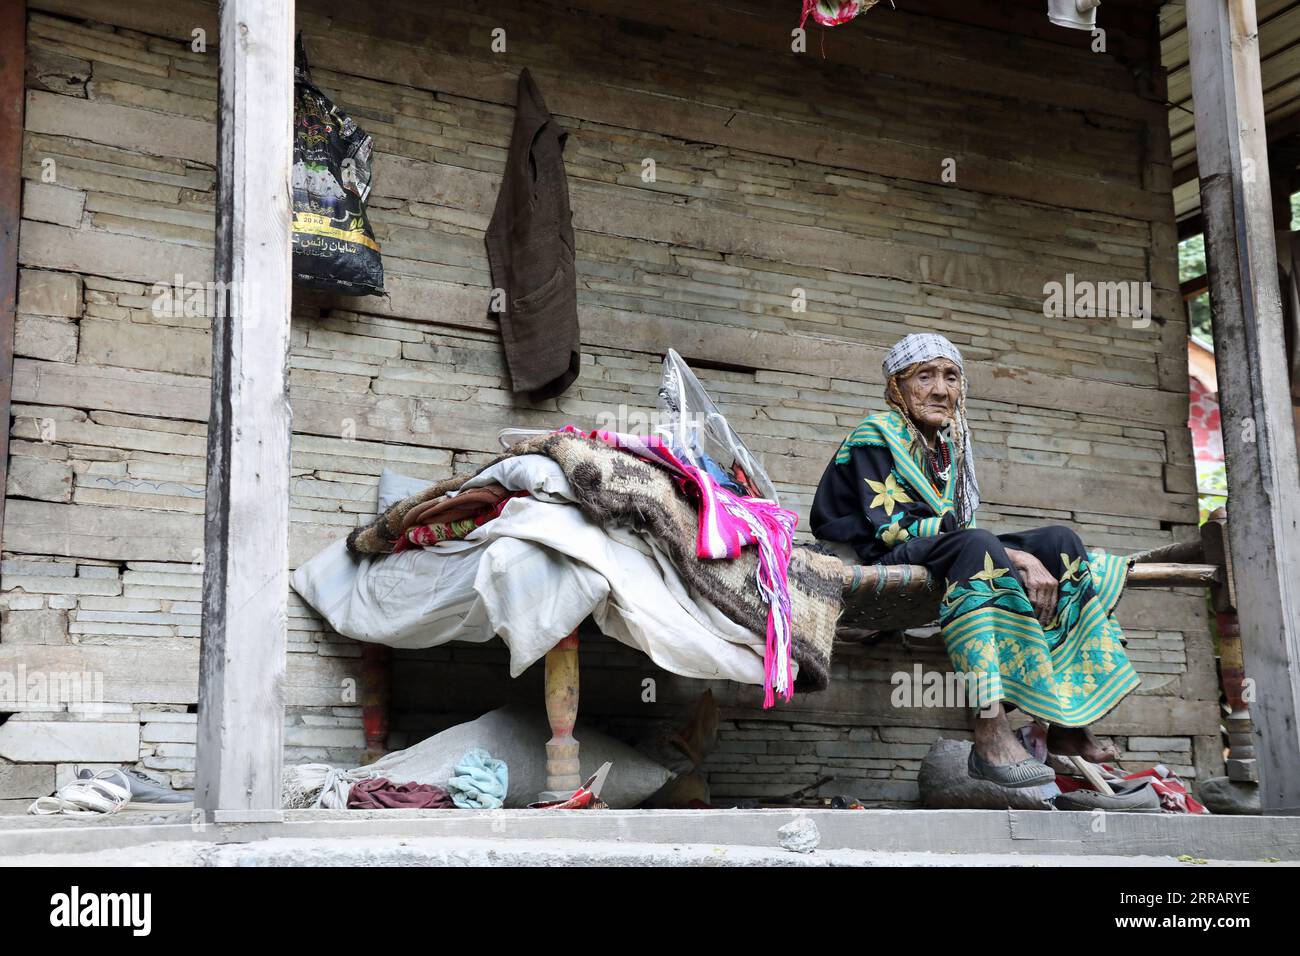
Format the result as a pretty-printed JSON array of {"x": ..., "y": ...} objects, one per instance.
[{"x": 531, "y": 253}]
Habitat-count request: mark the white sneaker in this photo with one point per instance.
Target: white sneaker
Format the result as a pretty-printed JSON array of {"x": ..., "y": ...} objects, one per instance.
[{"x": 106, "y": 792}]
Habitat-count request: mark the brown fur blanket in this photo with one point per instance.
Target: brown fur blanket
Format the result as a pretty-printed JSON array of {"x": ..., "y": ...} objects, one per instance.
[{"x": 614, "y": 487}]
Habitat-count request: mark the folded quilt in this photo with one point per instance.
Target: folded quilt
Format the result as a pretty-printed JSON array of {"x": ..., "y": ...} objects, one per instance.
[
  {"x": 529, "y": 578},
  {"x": 468, "y": 504},
  {"x": 616, "y": 489}
]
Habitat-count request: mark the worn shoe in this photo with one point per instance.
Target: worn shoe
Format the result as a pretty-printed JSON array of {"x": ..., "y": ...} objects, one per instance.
[
  {"x": 90, "y": 795},
  {"x": 147, "y": 794},
  {"x": 1136, "y": 796},
  {"x": 1016, "y": 776}
]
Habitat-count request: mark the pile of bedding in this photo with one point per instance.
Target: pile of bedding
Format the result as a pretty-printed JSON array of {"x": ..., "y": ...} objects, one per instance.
[{"x": 563, "y": 526}]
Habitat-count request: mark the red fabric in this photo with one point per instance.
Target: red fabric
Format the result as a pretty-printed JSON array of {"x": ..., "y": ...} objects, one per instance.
[
  {"x": 380, "y": 793},
  {"x": 432, "y": 529},
  {"x": 1204, "y": 421},
  {"x": 1173, "y": 795}
]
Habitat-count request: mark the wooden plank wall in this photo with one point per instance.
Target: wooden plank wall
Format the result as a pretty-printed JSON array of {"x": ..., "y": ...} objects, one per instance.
[{"x": 774, "y": 172}]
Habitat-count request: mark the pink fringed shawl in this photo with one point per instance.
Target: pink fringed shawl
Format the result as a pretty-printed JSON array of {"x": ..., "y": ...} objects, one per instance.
[{"x": 728, "y": 523}]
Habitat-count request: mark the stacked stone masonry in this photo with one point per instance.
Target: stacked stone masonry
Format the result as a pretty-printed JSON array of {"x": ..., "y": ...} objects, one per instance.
[{"x": 776, "y": 175}]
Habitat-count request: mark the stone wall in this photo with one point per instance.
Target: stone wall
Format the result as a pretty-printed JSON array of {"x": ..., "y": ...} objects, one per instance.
[{"x": 773, "y": 172}]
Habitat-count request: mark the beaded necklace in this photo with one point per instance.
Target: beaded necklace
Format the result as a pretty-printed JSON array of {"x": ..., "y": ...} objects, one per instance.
[{"x": 939, "y": 458}]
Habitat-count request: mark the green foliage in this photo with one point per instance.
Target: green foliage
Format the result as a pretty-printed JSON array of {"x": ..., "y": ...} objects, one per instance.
[
  {"x": 1191, "y": 264},
  {"x": 1191, "y": 258},
  {"x": 1198, "y": 315}
]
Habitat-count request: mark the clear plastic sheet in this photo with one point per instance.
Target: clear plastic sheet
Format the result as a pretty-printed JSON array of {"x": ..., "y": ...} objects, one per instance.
[
  {"x": 691, "y": 425},
  {"x": 694, "y": 428}
]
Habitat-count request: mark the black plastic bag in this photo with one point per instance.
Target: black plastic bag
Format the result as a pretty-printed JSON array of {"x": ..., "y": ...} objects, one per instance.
[{"x": 334, "y": 248}]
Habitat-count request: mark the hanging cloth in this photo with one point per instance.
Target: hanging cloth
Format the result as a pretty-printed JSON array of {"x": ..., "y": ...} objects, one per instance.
[{"x": 530, "y": 246}]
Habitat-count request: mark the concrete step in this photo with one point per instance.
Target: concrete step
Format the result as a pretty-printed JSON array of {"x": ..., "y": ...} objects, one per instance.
[
  {"x": 949, "y": 833},
  {"x": 391, "y": 851}
]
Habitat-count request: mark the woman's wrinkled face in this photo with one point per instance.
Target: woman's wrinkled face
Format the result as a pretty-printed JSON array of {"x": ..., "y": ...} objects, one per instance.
[{"x": 931, "y": 392}]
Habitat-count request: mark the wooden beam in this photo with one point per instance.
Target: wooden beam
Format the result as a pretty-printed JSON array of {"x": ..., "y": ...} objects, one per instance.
[
  {"x": 1259, "y": 445},
  {"x": 1179, "y": 552},
  {"x": 1170, "y": 575},
  {"x": 13, "y": 57},
  {"x": 1192, "y": 225},
  {"x": 246, "y": 522},
  {"x": 1194, "y": 287}
]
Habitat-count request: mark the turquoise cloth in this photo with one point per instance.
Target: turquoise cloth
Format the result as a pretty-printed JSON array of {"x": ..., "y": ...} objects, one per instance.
[{"x": 480, "y": 782}]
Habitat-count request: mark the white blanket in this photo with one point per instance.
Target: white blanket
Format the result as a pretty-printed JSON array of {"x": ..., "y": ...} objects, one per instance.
[{"x": 530, "y": 577}]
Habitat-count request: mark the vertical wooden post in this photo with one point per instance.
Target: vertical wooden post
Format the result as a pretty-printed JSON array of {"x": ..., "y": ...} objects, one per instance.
[
  {"x": 1263, "y": 478},
  {"x": 246, "y": 518},
  {"x": 13, "y": 57},
  {"x": 1240, "y": 763},
  {"x": 563, "y": 773}
]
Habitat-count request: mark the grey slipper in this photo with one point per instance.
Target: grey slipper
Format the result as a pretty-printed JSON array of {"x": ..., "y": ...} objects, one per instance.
[
  {"x": 1141, "y": 798},
  {"x": 1016, "y": 776}
]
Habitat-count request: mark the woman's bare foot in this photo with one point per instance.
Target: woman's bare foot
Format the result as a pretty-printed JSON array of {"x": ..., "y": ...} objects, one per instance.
[
  {"x": 994, "y": 741},
  {"x": 1080, "y": 742}
]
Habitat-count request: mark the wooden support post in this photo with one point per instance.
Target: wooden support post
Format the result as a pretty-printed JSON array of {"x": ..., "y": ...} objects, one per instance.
[
  {"x": 13, "y": 56},
  {"x": 563, "y": 774},
  {"x": 1260, "y": 450},
  {"x": 246, "y": 518},
  {"x": 376, "y": 696},
  {"x": 1241, "y": 765}
]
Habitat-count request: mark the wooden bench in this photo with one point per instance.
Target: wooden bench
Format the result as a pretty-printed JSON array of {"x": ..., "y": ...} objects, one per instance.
[{"x": 876, "y": 598}]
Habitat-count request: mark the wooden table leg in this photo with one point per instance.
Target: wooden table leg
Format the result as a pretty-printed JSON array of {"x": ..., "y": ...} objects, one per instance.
[{"x": 563, "y": 774}]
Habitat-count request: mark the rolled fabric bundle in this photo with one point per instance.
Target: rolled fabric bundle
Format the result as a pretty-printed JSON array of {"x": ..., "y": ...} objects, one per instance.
[{"x": 318, "y": 786}]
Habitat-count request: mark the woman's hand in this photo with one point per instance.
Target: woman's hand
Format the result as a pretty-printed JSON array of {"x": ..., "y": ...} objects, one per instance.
[{"x": 1039, "y": 584}]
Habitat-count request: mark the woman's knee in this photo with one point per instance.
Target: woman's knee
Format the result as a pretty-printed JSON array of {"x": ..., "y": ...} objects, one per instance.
[
  {"x": 982, "y": 541},
  {"x": 1063, "y": 538}
]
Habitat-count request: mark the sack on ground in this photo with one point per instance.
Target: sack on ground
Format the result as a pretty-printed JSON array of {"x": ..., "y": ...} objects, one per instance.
[{"x": 518, "y": 735}]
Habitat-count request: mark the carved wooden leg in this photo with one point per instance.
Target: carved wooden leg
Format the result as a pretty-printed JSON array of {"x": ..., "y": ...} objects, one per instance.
[
  {"x": 563, "y": 775},
  {"x": 376, "y": 684}
]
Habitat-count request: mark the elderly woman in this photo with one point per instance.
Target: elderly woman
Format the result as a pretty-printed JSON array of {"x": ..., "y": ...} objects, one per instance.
[{"x": 1026, "y": 617}]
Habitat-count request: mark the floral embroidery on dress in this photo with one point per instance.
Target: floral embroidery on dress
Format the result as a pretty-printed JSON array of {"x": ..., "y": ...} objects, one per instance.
[
  {"x": 991, "y": 572},
  {"x": 895, "y": 533},
  {"x": 1071, "y": 672},
  {"x": 888, "y": 494}
]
